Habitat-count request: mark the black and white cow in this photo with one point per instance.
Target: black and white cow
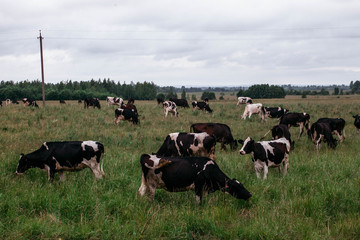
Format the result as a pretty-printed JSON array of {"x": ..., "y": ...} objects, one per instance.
[
  {"x": 357, "y": 122},
  {"x": 177, "y": 174},
  {"x": 296, "y": 120},
  {"x": 58, "y": 157},
  {"x": 92, "y": 102},
  {"x": 180, "y": 102},
  {"x": 188, "y": 144},
  {"x": 171, "y": 107},
  {"x": 201, "y": 106},
  {"x": 30, "y": 102},
  {"x": 114, "y": 101},
  {"x": 221, "y": 131},
  {"x": 321, "y": 131},
  {"x": 126, "y": 114},
  {"x": 244, "y": 100},
  {"x": 7, "y": 102},
  {"x": 250, "y": 109},
  {"x": 336, "y": 125},
  {"x": 267, "y": 154},
  {"x": 62, "y": 102},
  {"x": 273, "y": 112}
]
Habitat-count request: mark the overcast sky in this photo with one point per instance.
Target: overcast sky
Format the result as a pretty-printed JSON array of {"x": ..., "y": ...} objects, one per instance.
[{"x": 191, "y": 43}]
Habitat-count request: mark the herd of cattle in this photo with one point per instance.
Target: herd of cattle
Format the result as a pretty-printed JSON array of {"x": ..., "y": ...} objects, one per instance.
[{"x": 186, "y": 161}]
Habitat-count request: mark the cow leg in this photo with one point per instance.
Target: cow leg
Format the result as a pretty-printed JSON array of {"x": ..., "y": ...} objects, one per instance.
[
  {"x": 250, "y": 113},
  {"x": 318, "y": 142},
  {"x": 258, "y": 168},
  {"x": 286, "y": 165},
  {"x": 301, "y": 129},
  {"x": 223, "y": 147},
  {"x": 94, "y": 166},
  {"x": 165, "y": 113},
  {"x": 266, "y": 169},
  {"x": 143, "y": 188},
  {"x": 116, "y": 121},
  {"x": 62, "y": 176}
]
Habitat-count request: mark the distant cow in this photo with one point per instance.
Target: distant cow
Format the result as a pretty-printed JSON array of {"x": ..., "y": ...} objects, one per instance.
[
  {"x": 114, "y": 101},
  {"x": 202, "y": 106},
  {"x": 221, "y": 131},
  {"x": 180, "y": 102},
  {"x": 7, "y": 102},
  {"x": 92, "y": 102},
  {"x": 250, "y": 109},
  {"x": 79, "y": 101},
  {"x": 296, "y": 120},
  {"x": 159, "y": 100},
  {"x": 30, "y": 102},
  {"x": 321, "y": 131},
  {"x": 171, "y": 107},
  {"x": 58, "y": 157},
  {"x": 267, "y": 154},
  {"x": 273, "y": 112},
  {"x": 176, "y": 174},
  {"x": 15, "y": 101},
  {"x": 357, "y": 122},
  {"x": 336, "y": 125},
  {"x": 126, "y": 114},
  {"x": 0, "y": 103},
  {"x": 188, "y": 144},
  {"x": 244, "y": 100},
  {"x": 62, "y": 102}
]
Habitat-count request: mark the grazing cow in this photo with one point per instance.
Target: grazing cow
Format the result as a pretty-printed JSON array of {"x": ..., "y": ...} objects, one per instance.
[
  {"x": 159, "y": 100},
  {"x": 92, "y": 102},
  {"x": 114, "y": 101},
  {"x": 280, "y": 131},
  {"x": 7, "y": 102},
  {"x": 0, "y": 103},
  {"x": 126, "y": 114},
  {"x": 273, "y": 112},
  {"x": 296, "y": 120},
  {"x": 267, "y": 154},
  {"x": 180, "y": 102},
  {"x": 336, "y": 125},
  {"x": 58, "y": 157},
  {"x": 176, "y": 174},
  {"x": 244, "y": 100},
  {"x": 221, "y": 132},
  {"x": 250, "y": 109},
  {"x": 79, "y": 101},
  {"x": 202, "y": 106},
  {"x": 188, "y": 144},
  {"x": 322, "y": 131},
  {"x": 30, "y": 102},
  {"x": 15, "y": 101},
  {"x": 357, "y": 122},
  {"x": 62, "y": 102},
  {"x": 171, "y": 107}
]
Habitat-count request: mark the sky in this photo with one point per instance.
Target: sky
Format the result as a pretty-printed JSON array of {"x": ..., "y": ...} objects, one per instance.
[{"x": 182, "y": 43}]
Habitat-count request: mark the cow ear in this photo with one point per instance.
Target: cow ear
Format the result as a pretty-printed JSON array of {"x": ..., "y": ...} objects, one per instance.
[
  {"x": 241, "y": 141},
  {"x": 21, "y": 155}
]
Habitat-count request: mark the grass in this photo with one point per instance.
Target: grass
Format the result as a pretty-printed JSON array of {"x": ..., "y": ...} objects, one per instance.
[{"x": 318, "y": 199}]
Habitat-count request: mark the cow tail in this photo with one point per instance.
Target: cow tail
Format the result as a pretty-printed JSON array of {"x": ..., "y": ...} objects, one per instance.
[
  {"x": 265, "y": 135},
  {"x": 192, "y": 128},
  {"x": 102, "y": 151}
]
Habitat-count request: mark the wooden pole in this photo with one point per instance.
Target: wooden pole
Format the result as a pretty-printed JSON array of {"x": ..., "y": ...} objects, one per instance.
[{"x": 42, "y": 68}]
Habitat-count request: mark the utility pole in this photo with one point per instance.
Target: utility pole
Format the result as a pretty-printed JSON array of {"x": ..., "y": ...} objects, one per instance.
[{"x": 42, "y": 68}]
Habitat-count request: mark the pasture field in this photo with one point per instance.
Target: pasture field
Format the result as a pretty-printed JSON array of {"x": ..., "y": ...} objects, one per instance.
[{"x": 318, "y": 199}]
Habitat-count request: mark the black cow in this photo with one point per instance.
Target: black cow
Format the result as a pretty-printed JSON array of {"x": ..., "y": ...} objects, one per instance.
[
  {"x": 322, "y": 131},
  {"x": 336, "y": 125},
  {"x": 273, "y": 112},
  {"x": 201, "y": 106},
  {"x": 188, "y": 144},
  {"x": 159, "y": 100},
  {"x": 176, "y": 174},
  {"x": 92, "y": 102},
  {"x": 79, "y": 101},
  {"x": 357, "y": 122},
  {"x": 30, "y": 102},
  {"x": 180, "y": 102},
  {"x": 296, "y": 120},
  {"x": 15, "y": 101},
  {"x": 221, "y": 131},
  {"x": 0, "y": 103},
  {"x": 58, "y": 157},
  {"x": 280, "y": 131},
  {"x": 267, "y": 154},
  {"x": 62, "y": 102},
  {"x": 126, "y": 114}
]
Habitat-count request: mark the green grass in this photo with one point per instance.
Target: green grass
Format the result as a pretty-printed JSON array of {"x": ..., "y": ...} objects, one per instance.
[{"x": 318, "y": 199}]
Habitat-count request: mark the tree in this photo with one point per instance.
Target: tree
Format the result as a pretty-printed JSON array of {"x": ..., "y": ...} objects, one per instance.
[
  {"x": 336, "y": 91},
  {"x": 183, "y": 93},
  {"x": 208, "y": 95}
]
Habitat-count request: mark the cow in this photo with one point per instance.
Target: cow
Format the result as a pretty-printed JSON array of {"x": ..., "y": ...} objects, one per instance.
[
  {"x": 57, "y": 157},
  {"x": 280, "y": 131},
  {"x": 254, "y": 108},
  {"x": 221, "y": 132},
  {"x": 126, "y": 114},
  {"x": 15, "y": 101},
  {"x": 244, "y": 100},
  {"x": 273, "y": 112},
  {"x": 171, "y": 107},
  {"x": 296, "y": 120},
  {"x": 29, "y": 102},
  {"x": 201, "y": 106},
  {"x": 180, "y": 102},
  {"x": 114, "y": 101},
  {"x": 267, "y": 154},
  {"x": 177, "y": 174},
  {"x": 79, "y": 101},
  {"x": 92, "y": 102},
  {"x": 62, "y": 102},
  {"x": 0, "y": 103},
  {"x": 7, "y": 102},
  {"x": 357, "y": 122},
  {"x": 322, "y": 131},
  {"x": 188, "y": 144},
  {"x": 336, "y": 125},
  {"x": 159, "y": 100}
]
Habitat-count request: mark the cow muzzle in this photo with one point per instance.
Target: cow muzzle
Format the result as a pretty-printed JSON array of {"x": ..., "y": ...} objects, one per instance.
[
  {"x": 242, "y": 152},
  {"x": 19, "y": 174}
]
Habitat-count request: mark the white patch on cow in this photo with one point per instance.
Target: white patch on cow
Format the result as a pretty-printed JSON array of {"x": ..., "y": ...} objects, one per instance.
[
  {"x": 181, "y": 143},
  {"x": 91, "y": 144},
  {"x": 94, "y": 166},
  {"x": 47, "y": 148},
  {"x": 252, "y": 109},
  {"x": 173, "y": 137},
  {"x": 208, "y": 163},
  {"x": 241, "y": 151},
  {"x": 47, "y": 168},
  {"x": 156, "y": 161}
]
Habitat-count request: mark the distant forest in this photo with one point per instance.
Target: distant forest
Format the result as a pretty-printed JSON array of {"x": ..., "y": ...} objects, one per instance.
[{"x": 74, "y": 90}]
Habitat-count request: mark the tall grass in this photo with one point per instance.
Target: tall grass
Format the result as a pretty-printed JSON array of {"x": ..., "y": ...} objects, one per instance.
[{"x": 318, "y": 199}]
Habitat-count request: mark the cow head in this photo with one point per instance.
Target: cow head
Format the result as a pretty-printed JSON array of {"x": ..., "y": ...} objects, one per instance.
[
  {"x": 332, "y": 143},
  {"x": 248, "y": 146},
  {"x": 236, "y": 189},
  {"x": 357, "y": 120},
  {"x": 234, "y": 145},
  {"x": 97, "y": 103},
  {"x": 24, "y": 164}
]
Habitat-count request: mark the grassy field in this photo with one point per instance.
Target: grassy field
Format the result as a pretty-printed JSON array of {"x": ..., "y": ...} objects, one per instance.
[{"x": 318, "y": 199}]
